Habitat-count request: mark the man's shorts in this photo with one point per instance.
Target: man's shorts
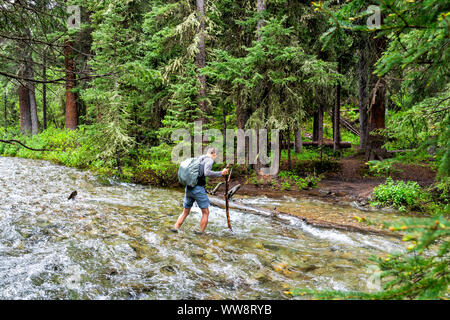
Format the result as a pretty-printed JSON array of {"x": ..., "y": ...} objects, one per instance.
[{"x": 198, "y": 193}]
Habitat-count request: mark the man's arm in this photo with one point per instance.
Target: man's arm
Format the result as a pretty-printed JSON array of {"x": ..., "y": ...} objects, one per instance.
[{"x": 208, "y": 169}]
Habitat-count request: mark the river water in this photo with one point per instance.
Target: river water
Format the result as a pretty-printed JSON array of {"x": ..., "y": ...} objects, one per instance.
[{"x": 113, "y": 242}]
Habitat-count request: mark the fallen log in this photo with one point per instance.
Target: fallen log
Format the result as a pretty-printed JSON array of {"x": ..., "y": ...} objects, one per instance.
[
  {"x": 287, "y": 218},
  {"x": 233, "y": 191},
  {"x": 397, "y": 151},
  {"x": 14, "y": 142},
  {"x": 216, "y": 188},
  {"x": 346, "y": 124},
  {"x": 343, "y": 145}
]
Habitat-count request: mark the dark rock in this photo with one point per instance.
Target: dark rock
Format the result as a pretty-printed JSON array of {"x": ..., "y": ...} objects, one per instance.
[{"x": 168, "y": 269}]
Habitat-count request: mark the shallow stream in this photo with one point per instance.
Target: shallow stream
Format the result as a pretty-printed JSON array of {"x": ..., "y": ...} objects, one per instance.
[{"x": 113, "y": 242}]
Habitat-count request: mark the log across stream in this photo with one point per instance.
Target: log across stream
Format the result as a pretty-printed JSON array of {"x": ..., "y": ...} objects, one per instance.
[{"x": 287, "y": 217}]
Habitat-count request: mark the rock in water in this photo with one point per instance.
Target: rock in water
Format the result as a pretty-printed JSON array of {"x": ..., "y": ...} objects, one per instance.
[{"x": 72, "y": 195}]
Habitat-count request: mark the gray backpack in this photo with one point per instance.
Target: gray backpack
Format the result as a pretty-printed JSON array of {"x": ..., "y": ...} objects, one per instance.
[{"x": 189, "y": 171}]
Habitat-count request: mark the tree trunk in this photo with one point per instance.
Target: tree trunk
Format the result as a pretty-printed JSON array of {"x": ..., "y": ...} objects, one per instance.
[
  {"x": 200, "y": 59},
  {"x": 33, "y": 109},
  {"x": 260, "y": 7},
  {"x": 28, "y": 53},
  {"x": 32, "y": 99},
  {"x": 24, "y": 108},
  {"x": 315, "y": 135},
  {"x": 320, "y": 126},
  {"x": 377, "y": 109},
  {"x": 288, "y": 136},
  {"x": 6, "y": 106},
  {"x": 71, "y": 99},
  {"x": 44, "y": 93},
  {"x": 362, "y": 82},
  {"x": 224, "y": 145},
  {"x": 337, "y": 114},
  {"x": 24, "y": 96},
  {"x": 242, "y": 116},
  {"x": 298, "y": 141}
]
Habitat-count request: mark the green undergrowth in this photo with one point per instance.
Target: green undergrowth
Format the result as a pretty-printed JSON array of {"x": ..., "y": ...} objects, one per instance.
[
  {"x": 290, "y": 181},
  {"x": 80, "y": 149},
  {"x": 409, "y": 196}
]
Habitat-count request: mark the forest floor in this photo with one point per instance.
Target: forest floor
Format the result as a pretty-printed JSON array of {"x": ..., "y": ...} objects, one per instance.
[{"x": 349, "y": 184}]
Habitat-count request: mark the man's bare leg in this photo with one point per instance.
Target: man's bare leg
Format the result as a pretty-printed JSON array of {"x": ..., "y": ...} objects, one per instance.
[
  {"x": 204, "y": 220},
  {"x": 182, "y": 217}
]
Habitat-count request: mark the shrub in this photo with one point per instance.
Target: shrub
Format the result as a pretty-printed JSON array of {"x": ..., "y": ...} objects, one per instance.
[
  {"x": 288, "y": 178},
  {"x": 285, "y": 185},
  {"x": 381, "y": 168},
  {"x": 399, "y": 194},
  {"x": 160, "y": 173}
]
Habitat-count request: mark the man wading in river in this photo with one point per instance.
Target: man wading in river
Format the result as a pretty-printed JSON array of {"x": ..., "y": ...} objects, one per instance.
[{"x": 198, "y": 192}]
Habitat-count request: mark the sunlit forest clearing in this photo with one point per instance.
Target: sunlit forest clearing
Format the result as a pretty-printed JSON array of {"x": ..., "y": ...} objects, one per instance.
[{"x": 357, "y": 91}]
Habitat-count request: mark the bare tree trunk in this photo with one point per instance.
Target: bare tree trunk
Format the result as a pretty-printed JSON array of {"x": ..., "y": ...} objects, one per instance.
[
  {"x": 260, "y": 7},
  {"x": 200, "y": 59},
  {"x": 362, "y": 82},
  {"x": 337, "y": 115},
  {"x": 288, "y": 132},
  {"x": 33, "y": 110},
  {"x": 320, "y": 126},
  {"x": 298, "y": 141},
  {"x": 71, "y": 99},
  {"x": 6, "y": 105},
  {"x": 315, "y": 135},
  {"x": 24, "y": 108},
  {"x": 32, "y": 100},
  {"x": 44, "y": 93},
  {"x": 224, "y": 144},
  {"x": 377, "y": 110},
  {"x": 24, "y": 96},
  {"x": 30, "y": 85},
  {"x": 242, "y": 116}
]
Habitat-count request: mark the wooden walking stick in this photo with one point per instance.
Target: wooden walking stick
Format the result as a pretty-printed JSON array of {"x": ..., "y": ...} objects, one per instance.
[{"x": 227, "y": 179}]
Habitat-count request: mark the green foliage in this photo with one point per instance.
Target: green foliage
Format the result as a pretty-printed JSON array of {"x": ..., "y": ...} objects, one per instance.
[
  {"x": 382, "y": 168},
  {"x": 399, "y": 194},
  {"x": 160, "y": 173},
  {"x": 285, "y": 185},
  {"x": 289, "y": 178},
  {"x": 72, "y": 148},
  {"x": 154, "y": 167}
]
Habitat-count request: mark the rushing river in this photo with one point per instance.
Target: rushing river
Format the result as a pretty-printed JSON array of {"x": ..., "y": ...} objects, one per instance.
[{"x": 113, "y": 242}]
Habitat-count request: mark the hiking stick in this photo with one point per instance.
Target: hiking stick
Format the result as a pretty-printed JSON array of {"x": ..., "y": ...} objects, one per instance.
[{"x": 227, "y": 179}]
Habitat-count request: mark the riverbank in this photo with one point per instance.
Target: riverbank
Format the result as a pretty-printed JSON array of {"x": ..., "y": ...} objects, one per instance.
[
  {"x": 113, "y": 242},
  {"x": 346, "y": 185},
  {"x": 338, "y": 181}
]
